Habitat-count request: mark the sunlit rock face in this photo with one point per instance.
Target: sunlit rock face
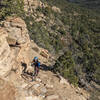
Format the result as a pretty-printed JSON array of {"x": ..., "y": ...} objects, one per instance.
[{"x": 14, "y": 45}]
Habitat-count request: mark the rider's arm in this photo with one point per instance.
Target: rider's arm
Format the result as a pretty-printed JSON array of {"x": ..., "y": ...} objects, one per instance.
[{"x": 32, "y": 63}]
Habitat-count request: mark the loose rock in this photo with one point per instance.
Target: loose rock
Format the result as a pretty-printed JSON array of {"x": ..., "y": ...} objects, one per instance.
[{"x": 53, "y": 97}]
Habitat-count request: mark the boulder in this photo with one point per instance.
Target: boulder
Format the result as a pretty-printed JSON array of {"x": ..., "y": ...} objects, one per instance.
[
  {"x": 44, "y": 53},
  {"x": 11, "y": 41},
  {"x": 56, "y": 9},
  {"x": 52, "y": 97},
  {"x": 49, "y": 86}
]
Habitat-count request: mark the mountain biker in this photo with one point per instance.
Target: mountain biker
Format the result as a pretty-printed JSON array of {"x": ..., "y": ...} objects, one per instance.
[{"x": 36, "y": 65}]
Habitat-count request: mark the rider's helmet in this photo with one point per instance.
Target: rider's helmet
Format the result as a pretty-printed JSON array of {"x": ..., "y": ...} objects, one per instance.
[{"x": 35, "y": 58}]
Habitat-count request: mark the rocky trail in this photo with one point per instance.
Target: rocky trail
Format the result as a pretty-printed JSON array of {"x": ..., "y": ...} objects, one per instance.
[
  {"x": 17, "y": 48},
  {"x": 46, "y": 87}
]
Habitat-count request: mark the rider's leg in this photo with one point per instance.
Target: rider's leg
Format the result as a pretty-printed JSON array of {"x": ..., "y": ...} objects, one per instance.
[{"x": 37, "y": 71}]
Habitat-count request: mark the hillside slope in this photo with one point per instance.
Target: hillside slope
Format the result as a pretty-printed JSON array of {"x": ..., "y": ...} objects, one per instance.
[
  {"x": 63, "y": 27},
  {"x": 91, "y": 4},
  {"x": 15, "y": 87}
]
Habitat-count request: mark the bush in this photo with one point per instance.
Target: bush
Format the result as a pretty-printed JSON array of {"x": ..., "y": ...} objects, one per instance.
[{"x": 62, "y": 31}]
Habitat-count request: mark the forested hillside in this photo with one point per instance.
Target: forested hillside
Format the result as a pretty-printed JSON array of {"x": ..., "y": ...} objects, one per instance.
[
  {"x": 84, "y": 33},
  {"x": 91, "y": 4},
  {"x": 72, "y": 33}
]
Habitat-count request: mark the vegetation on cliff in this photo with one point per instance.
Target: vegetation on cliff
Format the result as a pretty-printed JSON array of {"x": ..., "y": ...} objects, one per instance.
[
  {"x": 84, "y": 33},
  {"x": 10, "y": 8}
]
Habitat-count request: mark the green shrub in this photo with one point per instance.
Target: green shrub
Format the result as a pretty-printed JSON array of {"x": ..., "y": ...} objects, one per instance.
[{"x": 62, "y": 31}]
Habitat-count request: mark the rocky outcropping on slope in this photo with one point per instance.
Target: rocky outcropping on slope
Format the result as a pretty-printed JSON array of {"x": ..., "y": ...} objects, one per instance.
[
  {"x": 15, "y": 49},
  {"x": 29, "y": 5},
  {"x": 14, "y": 44},
  {"x": 5, "y": 53}
]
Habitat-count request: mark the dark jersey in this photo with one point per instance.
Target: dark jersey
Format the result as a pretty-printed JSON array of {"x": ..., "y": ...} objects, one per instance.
[{"x": 37, "y": 64}]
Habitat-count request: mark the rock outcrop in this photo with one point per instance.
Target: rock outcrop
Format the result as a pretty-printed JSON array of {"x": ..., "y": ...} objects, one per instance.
[
  {"x": 14, "y": 45},
  {"x": 6, "y": 57},
  {"x": 32, "y": 4}
]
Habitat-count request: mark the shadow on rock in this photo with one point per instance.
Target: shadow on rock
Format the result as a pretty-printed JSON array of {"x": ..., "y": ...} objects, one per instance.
[{"x": 46, "y": 68}]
